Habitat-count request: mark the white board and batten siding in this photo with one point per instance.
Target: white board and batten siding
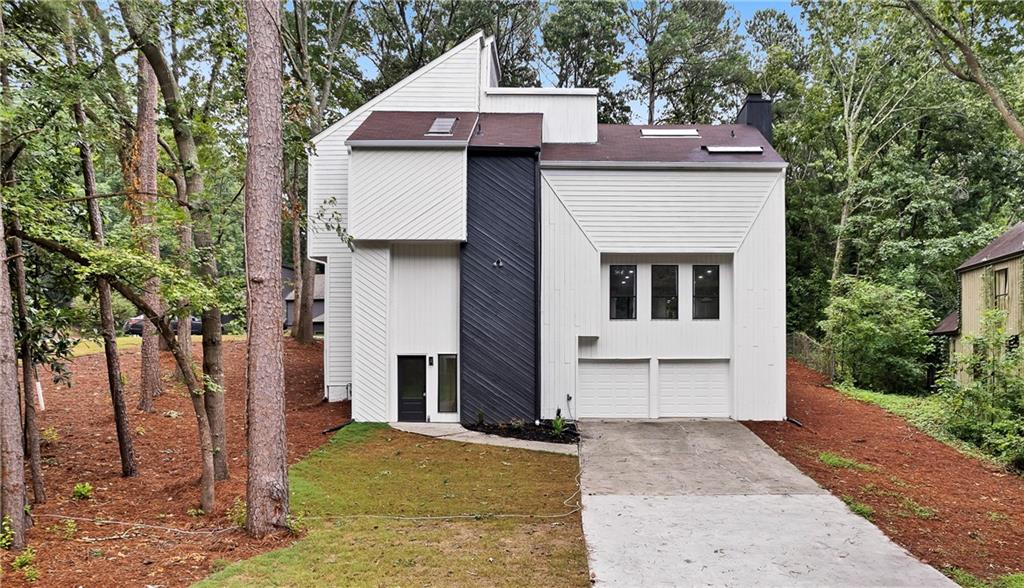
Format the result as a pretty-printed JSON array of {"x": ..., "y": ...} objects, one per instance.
[
  {"x": 570, "y": 114},
  {"x": 408, "y": 194},
  {"x": 452, "y": 83}
]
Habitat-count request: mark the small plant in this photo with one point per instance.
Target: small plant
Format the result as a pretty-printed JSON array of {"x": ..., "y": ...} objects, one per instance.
[
  {"x": 140, "y": 430},
  {"x": 558, "y": 424},
  {"x": 66, "y": 529},
  {"x": 96, "y": 553},
  {"x": 50, "y": 436},
  {"x": 481, "y": 418},
  {"x": 196, "y": 512},
  {"x": 910, "y": 507},
  {"x": 6, "y": 533},
  {"x": 31, "y": 573},
  {"x": 24, "y": 559},
  {"x": 859, "y": 508},
  {"x": 834, "y": 460},
  {"x": 237, "y": 512},
  {"x": 517, "y": 424},
  {"x": 296, "y": 523},
  {"x": 82, "y": 491},
  {"x": 996, "y": 517}
]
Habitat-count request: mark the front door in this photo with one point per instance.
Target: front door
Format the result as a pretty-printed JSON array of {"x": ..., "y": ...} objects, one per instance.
[{"x": 412, "y": 388}]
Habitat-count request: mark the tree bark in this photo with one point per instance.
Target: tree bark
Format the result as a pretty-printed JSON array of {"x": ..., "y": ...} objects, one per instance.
[
  {"x": 107, "y": 326},
  {"x": 150, "y": 385},
  {"x": 267, "y": 483},
  {"x": 213, "y": 369},
  {"x": 297, "y": 269},
  {"x": 304, "y": 332},
  {"x": 12, "y": 454},
  {"x": 28, "y": 379}
]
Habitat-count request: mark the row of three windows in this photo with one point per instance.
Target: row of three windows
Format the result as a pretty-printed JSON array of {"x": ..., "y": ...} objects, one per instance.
[{"x": 664, "y": 291}]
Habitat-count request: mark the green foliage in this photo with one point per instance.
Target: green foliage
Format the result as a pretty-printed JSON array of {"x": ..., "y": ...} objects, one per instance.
[
  {"x": 24, "y": 559},
  {"x": 859, "y": 508},
  {"x": 6, "y": 533},
  {"x": 82, "y": 491},
  {"x": 66, "y": 529},
  {"x": 834, "y": 460},
  {"x": 558, "y": 423},
  {"x": 237, "y": 513},
  {"x": 50, "y": 435},
  {"x": 983, "y": 392},
  {"x": 879, "y": 334}
]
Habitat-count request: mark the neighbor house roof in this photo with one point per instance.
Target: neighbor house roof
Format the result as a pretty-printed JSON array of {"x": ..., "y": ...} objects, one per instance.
[
  {"x": 949, "y": 325},
  {"x": 400, "y": 127},
  {"x": 1009, "y": 244},
  {"x": 318, "y": 289},
  {"x": 626, "y": 144},
  {"x": 500, "y": 130}
]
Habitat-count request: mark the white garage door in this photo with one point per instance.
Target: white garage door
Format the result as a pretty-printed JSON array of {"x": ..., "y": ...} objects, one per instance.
[
  {"x": 613, "y": 389},
  {"x": 693, "y": 388}
]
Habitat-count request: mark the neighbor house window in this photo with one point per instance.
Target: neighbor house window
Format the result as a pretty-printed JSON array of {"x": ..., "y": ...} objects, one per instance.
[
  {"x": 1001, "y": 288},
  {"x": 447, "y": 383},
  {"x": 622, "y": 280},
  {"x": 705, "y": 291},
  {"x": 664, "y": 291}
]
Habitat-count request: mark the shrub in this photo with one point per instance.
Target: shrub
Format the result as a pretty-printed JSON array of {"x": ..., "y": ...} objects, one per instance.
[
  {"x": 879, "y": 334},
  {"x": 237, "y": 513},
  {"x": 82, "y": 491},
  {"x": 983, "y": 391}
]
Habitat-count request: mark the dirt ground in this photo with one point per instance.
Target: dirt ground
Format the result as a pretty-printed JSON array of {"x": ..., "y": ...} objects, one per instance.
[
  {"x": 167, "y": 487},
  {"x": 948, "y": 509}
]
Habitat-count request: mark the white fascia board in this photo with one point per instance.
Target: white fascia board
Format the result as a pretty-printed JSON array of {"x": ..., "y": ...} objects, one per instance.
[
  {"x": 475, "y": 38},
  {"x": 409, "y": 144},
  {"x": 730, "y": 165},
  {"x": 543, "y": 91}
]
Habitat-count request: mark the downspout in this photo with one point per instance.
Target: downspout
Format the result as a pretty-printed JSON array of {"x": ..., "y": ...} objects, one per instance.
[{"x": 537, "y": 283}]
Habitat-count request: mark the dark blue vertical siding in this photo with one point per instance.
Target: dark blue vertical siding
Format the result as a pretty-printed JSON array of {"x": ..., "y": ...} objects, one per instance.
[{"x": 499, "y": 304}]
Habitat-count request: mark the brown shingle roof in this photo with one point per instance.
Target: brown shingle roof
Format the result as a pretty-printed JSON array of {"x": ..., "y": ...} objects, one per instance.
[
  {"x": 1009, "y": 244},
  {"x": 390, "y": 125},
  {"x": 624, "y": 143},
  {"x": 949, "y": 325},
  {"x": 508, "y": 130}
]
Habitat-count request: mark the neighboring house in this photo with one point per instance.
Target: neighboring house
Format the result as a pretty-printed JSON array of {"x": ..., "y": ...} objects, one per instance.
[
  {"x": 318, "y": 304},
  {"x": 991, "y": 278},
  {"x": 512, "y": 258}
]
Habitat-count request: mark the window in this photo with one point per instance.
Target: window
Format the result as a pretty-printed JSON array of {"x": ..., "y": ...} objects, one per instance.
[
  {"x": 705, "y": 291},
  {"x": 1001, "y": 288},
  {"x": 689, "y": 133},
  {"x": 664, "y": 292},
  {"x": 442, "y": 125},
  {"x": 447, "y": 383},
  {"x": 622, "y": 279}
]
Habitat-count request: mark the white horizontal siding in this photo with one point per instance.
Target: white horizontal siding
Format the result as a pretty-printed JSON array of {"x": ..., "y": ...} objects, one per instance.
[
  {"x": 408, "y": 194},
  {"x": 662, "y": 211},
  {"x": 568, "y": 118},
  {"x": 370, "y": 382},
  {"x": 759, "y": 306},
  {"x": 645, "y": 337},
  {"x": 570, "y": 291}
]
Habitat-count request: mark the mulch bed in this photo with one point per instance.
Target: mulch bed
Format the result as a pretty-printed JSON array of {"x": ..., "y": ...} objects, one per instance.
[
  {"x": 948, "y": 509},
  {"x": 529, "y": 431},
  {"x": 167, "y": 486}
]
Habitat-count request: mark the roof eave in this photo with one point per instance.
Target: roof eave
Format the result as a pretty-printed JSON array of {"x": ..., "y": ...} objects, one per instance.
[
  {"x": 409, "y": 144},
  {"x": 963, "y": 268},
  {"x": 694, "y": 165}
]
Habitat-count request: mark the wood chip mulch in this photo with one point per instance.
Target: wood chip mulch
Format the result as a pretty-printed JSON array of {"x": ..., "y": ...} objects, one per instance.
[
  {"x": 948, "y": 509},
  {"x": 167, "y": 487}
]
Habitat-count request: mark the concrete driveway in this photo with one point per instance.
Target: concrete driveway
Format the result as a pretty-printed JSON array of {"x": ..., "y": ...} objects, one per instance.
[{"x": 706, "y": 503}]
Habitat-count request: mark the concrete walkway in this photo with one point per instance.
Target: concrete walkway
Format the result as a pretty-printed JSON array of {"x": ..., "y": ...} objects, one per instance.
[
  {"x": 456, "y": 432},
  {"x": 706, "y": 503}
]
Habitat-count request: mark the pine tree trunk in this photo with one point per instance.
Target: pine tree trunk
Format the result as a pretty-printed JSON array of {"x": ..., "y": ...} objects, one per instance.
[
  {"x": 267, "y": 483},
  {"x": 12, "y": 454},
  {"x": 304, "y": 333},
  {"x": 150, "y": 385},
  {"x": 213, "y": 367},
  {"x": 28, "y": 379},
  {"x": 297, "y": 277}
]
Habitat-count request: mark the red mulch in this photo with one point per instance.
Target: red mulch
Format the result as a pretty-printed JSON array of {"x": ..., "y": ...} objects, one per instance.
[
  {"x": 167, "y": 486},
  {"x": 978, "y": 521}
]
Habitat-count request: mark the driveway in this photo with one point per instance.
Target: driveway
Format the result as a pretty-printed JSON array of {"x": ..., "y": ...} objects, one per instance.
[{"x": 689, "y": 502}]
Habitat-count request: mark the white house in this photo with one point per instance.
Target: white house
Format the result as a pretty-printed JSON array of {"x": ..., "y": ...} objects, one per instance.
[{"x": 511, "y": 257}]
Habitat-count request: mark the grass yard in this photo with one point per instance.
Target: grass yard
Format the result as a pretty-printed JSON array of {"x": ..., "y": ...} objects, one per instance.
[
  {"x": 452, "y": 497},
  {"x": 129, "y": 342}
]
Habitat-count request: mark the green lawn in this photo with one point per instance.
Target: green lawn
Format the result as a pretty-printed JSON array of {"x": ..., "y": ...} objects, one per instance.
[
  {"x": 373, "y": 470},
  {"x": 923, "y": 412},
  {"x": 126, "y": 342}
]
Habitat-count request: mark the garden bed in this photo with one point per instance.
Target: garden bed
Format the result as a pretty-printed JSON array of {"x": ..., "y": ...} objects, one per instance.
[
  {"x": 530, "y": 431},
  {"x": 955, "y": 512}
]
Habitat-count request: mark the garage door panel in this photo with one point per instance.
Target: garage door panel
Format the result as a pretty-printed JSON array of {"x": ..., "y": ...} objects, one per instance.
[
  {"x": 693, "y": 389},
  {"x": 613, "y": 389}
]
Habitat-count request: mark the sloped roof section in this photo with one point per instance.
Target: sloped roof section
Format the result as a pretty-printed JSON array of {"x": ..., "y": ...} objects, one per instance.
[
  {"x": 1009, "y": 244},
  {"x": 626, "y": 144},
  {"x": 389, "y": 126},
  {"x": 949, "y": 325},
  {"x": 496, "y": 130}
]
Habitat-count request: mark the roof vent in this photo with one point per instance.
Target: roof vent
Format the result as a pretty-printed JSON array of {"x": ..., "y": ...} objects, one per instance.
[
  {"x": 734, "y": 148},
  {"x": 687, "y": 133},
  {"x": 443, "y": 125}
]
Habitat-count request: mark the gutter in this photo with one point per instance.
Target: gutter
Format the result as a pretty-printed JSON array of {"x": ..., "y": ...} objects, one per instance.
[
  {"x": 731, "y": 165},
  {"x": 406, "y": 144},
  {"x": 987, "y": 262}
]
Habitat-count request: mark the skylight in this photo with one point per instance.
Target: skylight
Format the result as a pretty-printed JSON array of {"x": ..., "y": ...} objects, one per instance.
[
  {"x": 690, "y": 133},
  {"x": 443, "y": 125},
  {"x": 734, "y": 148}
]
